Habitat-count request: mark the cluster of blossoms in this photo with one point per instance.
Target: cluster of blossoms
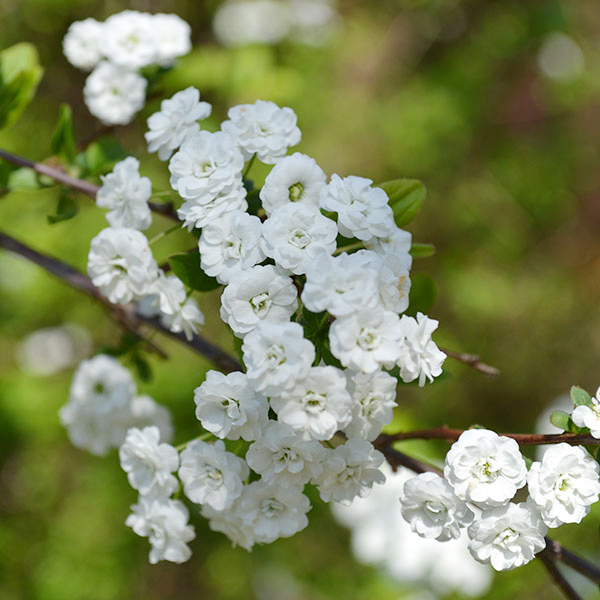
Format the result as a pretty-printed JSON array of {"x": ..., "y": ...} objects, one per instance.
[
  {"x": 115, "y": 50},
  {"x": 103, "y": 405},
  {"x": 316, "y": 278},
  {"x": 482, "y": 474}
]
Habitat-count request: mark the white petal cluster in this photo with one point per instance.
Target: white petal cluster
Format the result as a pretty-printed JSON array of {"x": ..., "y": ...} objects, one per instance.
[
  {"x": 103, "y": 405},
  {"x": 230, "y": 244},
  {"x": 176, "y": 122},
  {"x": 126, "y": 194},
  {"x": 121, "y": 264},
  {"x": 350, "y": 471},
  {"x": 228, "y": 406},
  {"x": 261, "y": 293},
  {"x": 317, "y": 406},
  {"x": 420, "y": 358},
  {"x": 363, "y": 210},
  {"x": 295, "y": 234},
  {"x": 507, "y": 536},
  {"x": 148, "y": 463},
  {"x": 211, "y": 475},
  {"x": 589, "y": 416},
  {"x": 114, "y": 94},
  {"x": 116, "y": 49},
  {"x": 564, "y": 484},
  {"x": 432, "y": 509},
  {"x": 485, "y": 468},
  {"x": 295, "y": 178},
  {"x": 262, "y": 128},
  {"x": 165, "y": 523}
]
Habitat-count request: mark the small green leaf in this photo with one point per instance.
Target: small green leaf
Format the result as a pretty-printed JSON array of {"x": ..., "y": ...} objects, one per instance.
[
  {"x": 580, "y": 397},
  {"x": 20, "y": 73},
  {"x": 187, "y": 267},
  {"x": 254, "y": 203},
  {"x": 102, "y": 155},
  {"x": 406, "y": 196},
  {"x": 142, "y": 366},
  {"x": 66, "y": 209},
  {"x": 422, "y": 250},
  {"x": 63, "y": 139},
  {"x": 23, "y": 179},
  {"x": 422, "y": 294},
  {"x": 562, "y": 420}
]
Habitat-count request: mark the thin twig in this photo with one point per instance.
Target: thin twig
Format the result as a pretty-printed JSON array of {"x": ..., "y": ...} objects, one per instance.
[
  {"x": 548, "y": 559},
  {"x": 451, "y": 435},
  {"x": 574, "y": 561},
  {"x": 73, "y": 277},
  {"x": 85, "y": 187},
  {"x": 472, "y": 360}
]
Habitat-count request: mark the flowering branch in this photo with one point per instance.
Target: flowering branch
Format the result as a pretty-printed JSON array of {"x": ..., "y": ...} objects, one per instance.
[
  {"x": 451, "y": 435},
  {"x": 85, "y": 187},
  {"x": 124, "y": 314}
]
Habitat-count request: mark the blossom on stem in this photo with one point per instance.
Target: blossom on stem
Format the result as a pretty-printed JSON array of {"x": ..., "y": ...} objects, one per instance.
[{"x": 589, "y": 416}]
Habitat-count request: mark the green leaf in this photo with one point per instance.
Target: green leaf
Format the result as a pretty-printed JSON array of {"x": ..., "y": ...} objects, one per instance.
[
  {"x": 254, "y": 203},
  {"x": 406, "y": 198},
  {"x": 66, "y": 209},
  {"x": 142, "y": 366},
  {"x": 63, "y": 139},
  {"x": 101, "y": 156},
  {"x": 23, "y": 179},
  {"x": 422, "y": 294},
  {"x": 187, "y": 267},
  {"x": 422, "y": 250},
  {"x": 562, "y": 420},
  {"x": 580, "y": 397},
  {"x": 20, "y": 73}
]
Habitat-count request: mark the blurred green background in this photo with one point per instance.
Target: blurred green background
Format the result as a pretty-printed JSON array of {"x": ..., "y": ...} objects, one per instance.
[{"x": 485, "y": 103}]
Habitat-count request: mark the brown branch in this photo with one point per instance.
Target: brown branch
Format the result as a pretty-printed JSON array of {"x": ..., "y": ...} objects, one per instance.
[
  {"x": 574, "y": 561},
  {"x": 472, "y": 360},
  {"x": 549, "y": 561},
  {"x": 85, "y": 187},
  {"x": 451, "y": 435},
  {"x": 82, "y": 283}
]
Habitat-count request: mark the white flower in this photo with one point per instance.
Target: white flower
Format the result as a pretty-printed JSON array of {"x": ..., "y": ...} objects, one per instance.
[
  {"x": 295, "y": 178},
  {"x": 262, "y": 128},
  {"x": 363, "y": 211},
  {"x": 374, "y": 399},
  {"x": 178, "y": 313},
  {"x": 564, "y": 484},
  {"x": 283, "y": 456},
  {"x": 114, "y": 94},
  {"x": 485, "y": 468},
  {"x": 207, "y": 165},
  {"x": 172, "y": 37},
  {"x": 126, "y": 194},
  {"x": 350, "y": 471},
  {"x": 273, "y": 511},
  {"x": 165, "y": 523},
  {"x": 230, "y": 244},
  {"x": 261, "y": 293},
  {"x": 145, "y": 411},
  {"x": 589, "y": 416},
  {"x": 211, "y": 475},
  {"x": 317, "y": 406},
  {"x": 507, "y": 537},
  {"x": 230, "y": 523},
  {"x": 229, "y": 408},
  {"x": 295, "y": 234},
  {"x": 82, "y": 43},
  {"x": 147, "y": 463},
  {"x": 199, "y": 213},
  {"x": 432, "y": 509},
  {"x": 419, "y": 356},
  {"x": 176, "y": 121},
  {"x": 276, "y": 356},
  {"x": 397, "y": 242},
  {"x": 366, "y": 341},
  {"x": 128, "y": 39},
  {"x": 342, "y": 285},
  {"x": 98, "y": 410},
  {"x": 121, "y": 264}
]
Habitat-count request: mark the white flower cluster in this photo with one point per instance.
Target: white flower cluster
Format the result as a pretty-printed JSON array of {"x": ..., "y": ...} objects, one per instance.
[
  {"x": 116, "y": 50},
  {"x": 482, "y": 475},
  {"x": 103, "y": 404}
]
